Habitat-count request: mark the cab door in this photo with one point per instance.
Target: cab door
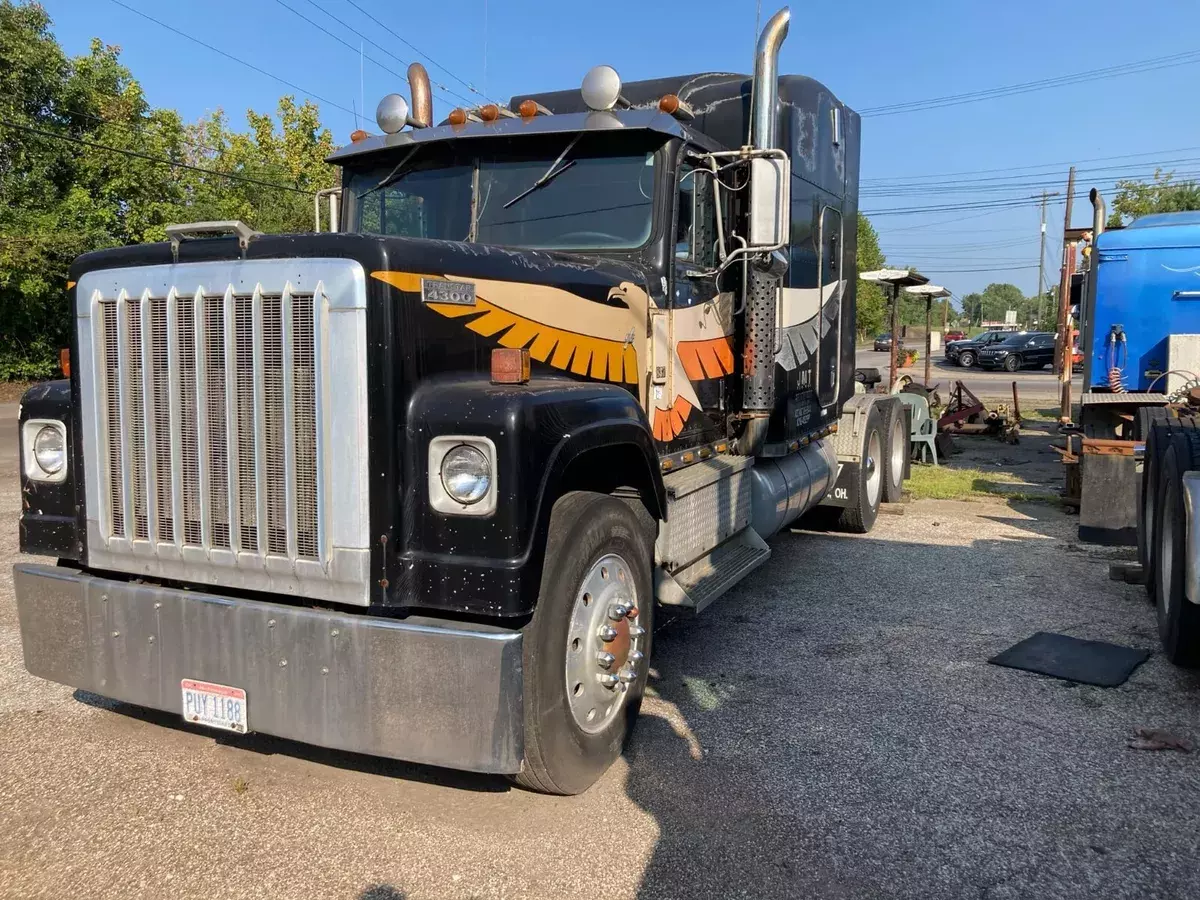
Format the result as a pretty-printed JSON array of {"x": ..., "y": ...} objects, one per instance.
[{"x": 693, "y": 346}]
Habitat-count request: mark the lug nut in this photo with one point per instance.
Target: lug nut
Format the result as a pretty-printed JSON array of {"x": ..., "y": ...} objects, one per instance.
[
  {"x": 609, "y": 680},
  {"x": 636, "y": 631},
  {"x": 636, "y": 657},
  {"x": 627, "y": 675},
  {"x": 618, "y": 611},
  {"x": 605, "y": 659},
  {"x": 607, "y": 633}
]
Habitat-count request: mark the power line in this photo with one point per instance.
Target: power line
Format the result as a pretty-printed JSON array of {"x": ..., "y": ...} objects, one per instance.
[
  {"x": 1021, "y": 182},
  {"x": 1147, "y": 65},
  {"x": 230, "y": 56},
  {"x": 1051, "y": 166},
  {"x": 350, "y": 46},
  {"x": 161, "y": 160},
  {"x": 942, "y": 271},
  {"x": 417, "y": 50}
]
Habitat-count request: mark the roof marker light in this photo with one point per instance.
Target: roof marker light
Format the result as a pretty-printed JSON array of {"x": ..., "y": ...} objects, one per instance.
[
  {"x": 530, "y": 108},
  {"x": 673, "y": 106}
]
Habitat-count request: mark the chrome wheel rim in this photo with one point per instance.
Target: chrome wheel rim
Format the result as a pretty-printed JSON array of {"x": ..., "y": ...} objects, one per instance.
[
  {"x": 605, "y": 644},
  {"x": 897, "y": 473},
  {"x": 871, "y": 462}
]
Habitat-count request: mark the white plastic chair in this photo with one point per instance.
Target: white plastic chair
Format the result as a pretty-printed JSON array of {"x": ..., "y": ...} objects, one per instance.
[{"x": 924, "y": 429}]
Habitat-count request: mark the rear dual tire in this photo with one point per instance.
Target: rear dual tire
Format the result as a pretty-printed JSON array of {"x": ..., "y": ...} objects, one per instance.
[
  {"x": 1178, "y": 617},
  {"x": 896, "y": 450},
  {"x": 1157, "y": 431},
  {"x": 859, "y": 517}
]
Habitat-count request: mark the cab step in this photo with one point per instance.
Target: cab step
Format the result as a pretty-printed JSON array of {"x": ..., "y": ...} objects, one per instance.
[{"x": 708, "y": 577}]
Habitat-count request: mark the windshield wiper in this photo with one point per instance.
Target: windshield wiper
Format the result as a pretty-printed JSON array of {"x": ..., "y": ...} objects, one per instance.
[
  {"x": 393, "y": 176},
  {"x": 550, "y": 174}
]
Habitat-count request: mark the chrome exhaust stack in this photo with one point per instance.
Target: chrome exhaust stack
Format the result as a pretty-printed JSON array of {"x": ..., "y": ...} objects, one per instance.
[
  {"x": 422, "y": 96},
  {"x": 764, "y": 90},
  {"x": 758, "y": 357}
]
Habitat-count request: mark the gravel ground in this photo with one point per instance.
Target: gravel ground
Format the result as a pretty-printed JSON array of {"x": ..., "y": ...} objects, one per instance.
[{"x": 828, "y": 729}]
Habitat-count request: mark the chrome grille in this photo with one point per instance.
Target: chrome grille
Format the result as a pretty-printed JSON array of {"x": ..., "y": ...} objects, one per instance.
[
  {"x": 224, "y": 424},
  {"x": 209, "y": 406}
]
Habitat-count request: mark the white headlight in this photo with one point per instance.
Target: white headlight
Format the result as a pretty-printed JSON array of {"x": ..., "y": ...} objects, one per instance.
[
  {"x": 466, "y": 474},
  {"x": 50, "y": 450},
  {"x": 45, "y": 449}
]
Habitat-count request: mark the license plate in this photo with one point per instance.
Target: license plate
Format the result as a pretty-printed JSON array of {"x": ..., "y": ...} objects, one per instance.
[{"x": 214, "y": 705}]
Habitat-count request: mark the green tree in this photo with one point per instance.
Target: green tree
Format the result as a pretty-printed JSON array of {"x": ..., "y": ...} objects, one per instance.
[
  {"x": 999, "y": 298},
  {"x": 872, "y": 306},
  {"x": 1163, "y": 194},
  {"x": 86, "y": 163}
]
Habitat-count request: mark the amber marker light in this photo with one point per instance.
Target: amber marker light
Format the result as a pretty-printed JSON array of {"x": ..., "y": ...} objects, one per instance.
[
  {"x": 358, "y": 135},
  {"x": 457, "y": 116},
  {"x": 510, "y": 365},
  {"x": 489, "y": 112}
]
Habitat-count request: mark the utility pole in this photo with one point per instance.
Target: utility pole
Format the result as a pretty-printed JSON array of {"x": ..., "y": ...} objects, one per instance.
[
  {"x": 1042, "y": 260},
  {"x": 1064, "y": 306}
]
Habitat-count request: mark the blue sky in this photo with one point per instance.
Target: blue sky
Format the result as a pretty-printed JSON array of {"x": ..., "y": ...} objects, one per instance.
[{"x": 868, "y": 52}]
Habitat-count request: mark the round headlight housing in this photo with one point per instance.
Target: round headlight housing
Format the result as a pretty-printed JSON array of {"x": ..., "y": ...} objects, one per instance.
[
  {"x": 392, "y": 113},
  {"x": 466, "y": 474},
  {"x": 50, "y": 450}
]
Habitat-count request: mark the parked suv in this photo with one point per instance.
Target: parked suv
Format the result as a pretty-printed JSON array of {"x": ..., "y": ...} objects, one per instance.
[
  {"x": 965, "y": 353},
  {"x": 1020, "y": 351},
  {"x": 955, "y": 336}
]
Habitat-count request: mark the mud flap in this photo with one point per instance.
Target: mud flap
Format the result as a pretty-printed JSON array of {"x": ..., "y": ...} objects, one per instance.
[{"x": 845, "y": 487}]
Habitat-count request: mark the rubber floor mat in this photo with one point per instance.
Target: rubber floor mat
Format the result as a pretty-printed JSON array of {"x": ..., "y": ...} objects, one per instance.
[{"x": 1072, "y": 659}]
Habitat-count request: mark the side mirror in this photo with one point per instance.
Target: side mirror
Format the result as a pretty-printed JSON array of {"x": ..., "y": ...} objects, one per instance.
[{"x": 770, "y": 202}]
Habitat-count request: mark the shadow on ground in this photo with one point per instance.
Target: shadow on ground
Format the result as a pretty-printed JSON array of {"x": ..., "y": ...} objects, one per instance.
[
  {"x": 848, "y": 739},
  {"x": 269, "y": 746}
]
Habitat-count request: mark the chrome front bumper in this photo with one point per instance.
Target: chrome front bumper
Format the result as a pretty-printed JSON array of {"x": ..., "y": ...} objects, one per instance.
[{"x": 417, "y": 689}]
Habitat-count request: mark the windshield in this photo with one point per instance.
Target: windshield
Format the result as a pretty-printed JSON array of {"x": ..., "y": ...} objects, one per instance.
[{"x": 594, "y": 192}]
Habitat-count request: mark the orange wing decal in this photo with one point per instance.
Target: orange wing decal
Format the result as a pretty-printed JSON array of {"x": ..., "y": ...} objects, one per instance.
[
  {"x": 669, "y": 422},
  {"x": 711, "y": 358},
  {"x": 570, "y": 351},
  {"x": 566, "y": 350}
]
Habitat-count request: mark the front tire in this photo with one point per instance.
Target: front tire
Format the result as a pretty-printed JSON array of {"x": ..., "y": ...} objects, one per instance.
[
  {"x": 966, "y": 359},
  {"x": 598, "y": 560},
  {"x": 1012, "y": 363}
]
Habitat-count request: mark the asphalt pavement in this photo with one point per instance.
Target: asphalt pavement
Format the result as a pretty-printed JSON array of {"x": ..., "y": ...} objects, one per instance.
[
  {"x": 829, "y": 728},
  {"x": 1040, "y": 385}
]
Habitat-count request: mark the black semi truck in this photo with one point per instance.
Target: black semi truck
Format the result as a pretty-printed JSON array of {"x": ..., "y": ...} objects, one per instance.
[{"x": 416, "y": 485}]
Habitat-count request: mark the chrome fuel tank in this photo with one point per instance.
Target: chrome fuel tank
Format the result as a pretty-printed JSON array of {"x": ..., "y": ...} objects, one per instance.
[{"x": 784, "y": 488}]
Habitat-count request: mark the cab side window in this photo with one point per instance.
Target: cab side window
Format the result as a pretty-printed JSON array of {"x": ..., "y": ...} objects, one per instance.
[{"x": 696, "y": 218}]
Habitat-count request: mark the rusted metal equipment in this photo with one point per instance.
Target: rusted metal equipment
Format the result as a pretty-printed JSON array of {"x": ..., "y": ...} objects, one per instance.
[{"x": 963, "y": 407}]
